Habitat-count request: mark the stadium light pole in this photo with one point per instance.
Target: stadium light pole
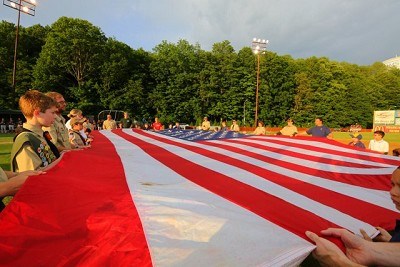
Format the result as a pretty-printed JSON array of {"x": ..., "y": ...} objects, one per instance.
[
  {"x": 24, "y": 6},
  {"x": 258, "y": 46}
]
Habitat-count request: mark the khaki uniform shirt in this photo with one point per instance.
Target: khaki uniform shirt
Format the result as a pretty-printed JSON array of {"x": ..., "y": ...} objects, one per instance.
[
  {"x": 59, "y": 133},
  {"x": 75, "y": 139},
  {"x": 109, "y": 125},
  {"x": 205, "y": 125},
  {"x": 27, "y": 159},
  {"x": 259, "y": 130},
  {"x": 235, "y": 128},
  {"x": 289, "y": 130}
]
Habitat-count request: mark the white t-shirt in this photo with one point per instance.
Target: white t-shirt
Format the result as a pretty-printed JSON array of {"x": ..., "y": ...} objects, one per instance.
[{"x": 379, "y": 146}]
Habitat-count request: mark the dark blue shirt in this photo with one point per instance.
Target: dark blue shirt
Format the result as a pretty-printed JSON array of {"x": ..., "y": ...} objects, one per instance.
[
  {"x": 396, "y": 233},
  {"x": 319, "y": 131}
]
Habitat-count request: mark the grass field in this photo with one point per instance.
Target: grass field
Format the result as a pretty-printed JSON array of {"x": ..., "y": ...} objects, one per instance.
[{"x": 5, "y": 148}]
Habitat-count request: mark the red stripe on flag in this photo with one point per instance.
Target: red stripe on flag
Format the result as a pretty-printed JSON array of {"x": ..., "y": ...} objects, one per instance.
[{"x": 89, "y": 219}]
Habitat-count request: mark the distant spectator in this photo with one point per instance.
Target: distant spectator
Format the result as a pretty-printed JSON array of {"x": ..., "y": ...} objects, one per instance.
[
  {"x": 157, "y": 125},
  {"x": 319, "y": 130},
  {"x": 146, "y": 127},
  {"x": 11, "y": 125},
  {"x": 19, "y": 122},
  {"x": 205, "y": 126},
  {"x": 223, "y": 126},
  {"x": 109, "y": 123},
  {"x": 289, "y": 129},
  {"x": 378, "y": 144},
  {"x": 235, "y": 126},
  {"x": 126, "y": 122},
  {"x": 355, "y": 140},
  {"x": 177, "y": 126},
  {"x": 3, "y": 126},
  {"x": 260, "y": 130}
]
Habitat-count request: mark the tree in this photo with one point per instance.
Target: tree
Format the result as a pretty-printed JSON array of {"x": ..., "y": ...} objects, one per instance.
[
  {"x": 71, "y": 57},
  {"x": 175, "y": 69},
  {"x": 277, "y": 88}
]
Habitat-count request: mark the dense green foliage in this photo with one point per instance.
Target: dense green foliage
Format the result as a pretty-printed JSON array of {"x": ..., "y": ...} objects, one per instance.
[{"x": 183, "y": 82}]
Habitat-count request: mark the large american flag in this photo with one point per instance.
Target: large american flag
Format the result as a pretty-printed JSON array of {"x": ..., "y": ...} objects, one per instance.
[{"x": 194, "y": 198}]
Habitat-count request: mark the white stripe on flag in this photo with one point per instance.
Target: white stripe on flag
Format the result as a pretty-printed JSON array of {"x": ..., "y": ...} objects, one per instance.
[{"x": 186, "y": 225}]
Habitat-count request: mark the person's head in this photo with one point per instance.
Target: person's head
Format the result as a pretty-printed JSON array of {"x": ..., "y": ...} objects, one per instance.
[
  {"x": 233, "y": 121},
  {"x": 62, "y": 104},
  {"x": 109, "y": 117},
  {"x": 38, "y": 106},
  {"x": 146, "y": 125},
  {"x": 205, "y": 119},
  {"x": 177, "y": 123},
  {"x": 260, "y": 124},
  {"x": 75, "y": 113},
  {"x": 356, "y": 137},
  {"x": 156, "y": 119},
  {"x": 77, "y": 123},
  {"x": 170, "y": 126},
  {"x": 378, "y": 135},
  {"x": 319, "y": 121},
  {"x": 289, "y": 122},
  {"x": 395, "y": 190},
  {"x": 126, "y": 115},
  {"x": 223, "y": 123}
]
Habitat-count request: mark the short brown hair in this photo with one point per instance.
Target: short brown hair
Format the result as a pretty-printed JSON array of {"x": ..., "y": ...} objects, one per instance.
[
  {"x": 32, "y": 100},
  {"x": 54, "y": 95},
  {"x": 381, "y": 133}
]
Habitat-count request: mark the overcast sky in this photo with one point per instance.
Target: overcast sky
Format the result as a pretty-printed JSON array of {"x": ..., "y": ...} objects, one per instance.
[{"x": 356, "y": 31}]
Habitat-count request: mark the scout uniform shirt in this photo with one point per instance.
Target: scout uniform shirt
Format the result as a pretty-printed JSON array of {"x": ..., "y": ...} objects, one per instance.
[
  {"x": 59, "y": 133},
  {"x": 109, "y": 125},
  {"x": 289, "y": 130},
  {"x": 30, "y": 150},
  {"x": 76, "y": 139}
]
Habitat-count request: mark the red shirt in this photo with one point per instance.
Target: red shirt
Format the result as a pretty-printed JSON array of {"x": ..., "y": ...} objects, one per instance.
[{"x": 157, "y": 126}]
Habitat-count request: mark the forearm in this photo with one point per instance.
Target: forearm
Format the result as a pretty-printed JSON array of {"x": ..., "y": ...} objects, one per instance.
[
  {"x": 385, "y": 254},
  {"x": 10, "y": 174},
  {"x": 9, "y": 188}
]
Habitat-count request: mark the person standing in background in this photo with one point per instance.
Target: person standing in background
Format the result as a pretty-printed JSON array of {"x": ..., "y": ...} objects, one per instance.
[
  {"x": 58, "y": 130},
  {"x": 378, "y": 144},
  {"x": 205, "y": 125},
  {"x": 109, "y": 123}
]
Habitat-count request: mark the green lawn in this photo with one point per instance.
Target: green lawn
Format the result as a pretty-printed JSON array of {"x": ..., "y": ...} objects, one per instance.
[{"x": 5, "y": 148}]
